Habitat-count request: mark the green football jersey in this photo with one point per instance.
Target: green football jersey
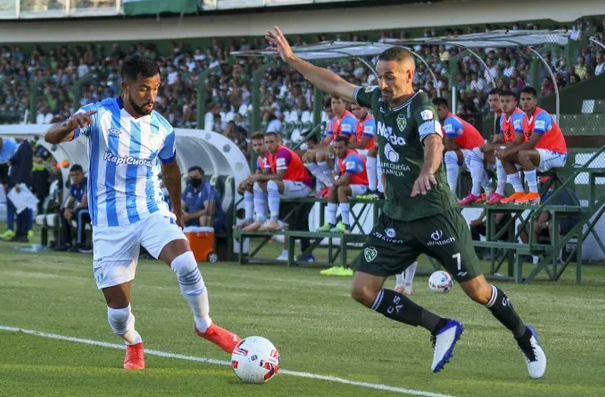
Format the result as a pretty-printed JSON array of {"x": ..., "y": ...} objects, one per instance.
[{"x": 400, "y": 132}]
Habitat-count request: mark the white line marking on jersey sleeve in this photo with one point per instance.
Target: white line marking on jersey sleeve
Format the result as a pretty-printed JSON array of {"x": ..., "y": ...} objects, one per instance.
[{"x": 159, "y": 353}]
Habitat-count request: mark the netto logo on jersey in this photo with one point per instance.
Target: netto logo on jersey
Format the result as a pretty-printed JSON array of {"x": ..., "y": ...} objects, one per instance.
[
  {"x": 436, "y": 237},
  {"x": 128, "y": 160},
  {"x": 387, "y": 132}
]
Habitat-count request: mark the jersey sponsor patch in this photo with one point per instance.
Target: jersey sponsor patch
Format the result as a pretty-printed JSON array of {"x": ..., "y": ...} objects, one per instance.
[
  {"x": 430, "y": 127},
  {"x": 281, "y": 163},
  {"x": 540, "y": 125},
  {"x": 427, "y": 115}
]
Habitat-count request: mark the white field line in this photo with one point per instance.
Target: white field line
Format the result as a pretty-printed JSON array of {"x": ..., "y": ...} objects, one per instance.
[{"x": 376, "y": 386}]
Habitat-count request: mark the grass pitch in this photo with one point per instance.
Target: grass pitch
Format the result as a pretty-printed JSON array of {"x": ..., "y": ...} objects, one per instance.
[{"x": 312, "y": 320}]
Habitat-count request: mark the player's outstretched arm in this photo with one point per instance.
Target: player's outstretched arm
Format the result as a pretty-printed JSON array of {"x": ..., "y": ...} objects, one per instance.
[
  {"x": 324, "y": 79},
  {"x": 64, "y": 132}
]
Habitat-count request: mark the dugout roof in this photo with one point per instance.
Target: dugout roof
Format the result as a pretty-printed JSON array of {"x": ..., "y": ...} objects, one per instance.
[{"x": 496, "y": 38}]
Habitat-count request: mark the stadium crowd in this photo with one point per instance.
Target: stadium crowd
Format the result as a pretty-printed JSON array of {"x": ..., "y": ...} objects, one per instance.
[{"x": 286, "y": 97}]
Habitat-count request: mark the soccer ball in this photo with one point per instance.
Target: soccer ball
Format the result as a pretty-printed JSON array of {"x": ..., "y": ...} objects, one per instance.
[
  {"x": 440, "y": 282},
  {"x": 255, "y": 360}
]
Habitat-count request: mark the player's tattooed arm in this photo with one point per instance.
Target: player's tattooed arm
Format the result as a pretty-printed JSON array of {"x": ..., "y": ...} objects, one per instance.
[
  {"x": 64, "y": 132},
  {"x": 171, "y": 176}
]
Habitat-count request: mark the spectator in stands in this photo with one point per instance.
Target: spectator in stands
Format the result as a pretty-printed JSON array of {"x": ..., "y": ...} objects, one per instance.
[
  {"x": 8, "y": 147},
  {"x": 202, "y": 202},
  {"x": 581, "y": 70},
  {"x": 20, "y": 176},
  {"x": 600, "y": 67},
  {"x": 75, "y": 208}
]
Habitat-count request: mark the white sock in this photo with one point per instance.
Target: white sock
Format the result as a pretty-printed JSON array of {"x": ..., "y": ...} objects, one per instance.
[
  {"x": 193, "y": 288},
  {"x": 514, "y": 180},
  {"x": 452, "y": 170},
  {"x": 410, "y": 271},
  {"x": 477, "y": 173},
  {"x": 501, "y": 174},
  {"x": 371, "y": 171},
  {"x": 248, "y": 206},
  {"x": 273, "y": 191},
  {"x": 260, "y": 203},
  {"x": 399, "y": 279},
  {"x": 345, "y": 209},
  {"x": 317, "y": 172},
  {"x": 327, "y": 173},
  {"x": 379, "y": 175},
  {"x": 332, "y": 208},
  {"x": 532, "y": 181},
  {"x": 122, "y": 324}
]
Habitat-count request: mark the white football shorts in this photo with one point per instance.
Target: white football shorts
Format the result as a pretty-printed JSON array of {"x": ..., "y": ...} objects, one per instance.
[{"x": 116, "y": 248}]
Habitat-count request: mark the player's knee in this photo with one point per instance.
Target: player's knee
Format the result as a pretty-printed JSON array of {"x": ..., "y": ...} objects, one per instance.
[
  {"x": 451, "y": 159},
  {"x": 524, "y": 156},
  {"x": 272, "y": 187},
  {"x": 364, "y": 294},
  {"x": 120, "y": 320},
  {"x": 257, "y": 188},
  {"x": 481, "y": 294},
  {"x": 186, "y": 269},
  {"x": 342, "y": 193},
  {"x": 202, "y": 220}
]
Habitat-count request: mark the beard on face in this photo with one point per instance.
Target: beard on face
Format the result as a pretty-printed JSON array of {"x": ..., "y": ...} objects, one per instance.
[{"x": 140, "y": 110}]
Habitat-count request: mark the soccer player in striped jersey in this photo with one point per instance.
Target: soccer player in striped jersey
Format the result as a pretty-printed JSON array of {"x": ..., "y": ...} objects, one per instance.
[
  {"x": 245, "y": 188},
  {"x": 545, "y": 149},
  {"x": 129, "y": 144}
]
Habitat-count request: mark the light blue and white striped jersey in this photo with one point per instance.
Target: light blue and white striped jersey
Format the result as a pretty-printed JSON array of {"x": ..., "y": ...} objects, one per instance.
[{"x": 124, "y": 162}]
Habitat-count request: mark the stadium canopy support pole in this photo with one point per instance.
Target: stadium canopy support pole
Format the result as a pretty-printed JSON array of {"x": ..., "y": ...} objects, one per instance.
[
  {"x": 318, "y": 97},
  {"x": 554, "y": 82},
  {"x": 77, "y": 90},
  {"x": 256, "y": 78},
  {"x": 201, "y": 97},
  {"x": 552, "y": 76},
  {"x": 482, "y": 62},
  {"x": 35, "y": 97}
]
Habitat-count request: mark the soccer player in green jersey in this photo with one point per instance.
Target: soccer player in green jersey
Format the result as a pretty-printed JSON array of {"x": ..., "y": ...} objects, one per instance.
[{"x": 419, "y": 215}]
